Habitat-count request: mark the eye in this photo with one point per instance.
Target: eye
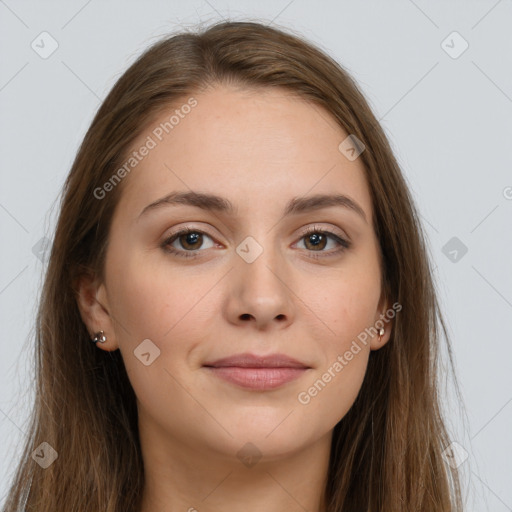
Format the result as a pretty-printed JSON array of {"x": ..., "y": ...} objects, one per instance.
[
  {"x": 190, "y": 240},
  {"x": 316, "y": 239}
]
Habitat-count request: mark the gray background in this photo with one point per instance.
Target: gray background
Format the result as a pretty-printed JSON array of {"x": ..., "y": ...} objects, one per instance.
[{"x": 449, "y": 121}]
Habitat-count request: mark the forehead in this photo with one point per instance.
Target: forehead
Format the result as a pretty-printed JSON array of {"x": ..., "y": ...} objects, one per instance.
[{"x": 258, "y": 148}]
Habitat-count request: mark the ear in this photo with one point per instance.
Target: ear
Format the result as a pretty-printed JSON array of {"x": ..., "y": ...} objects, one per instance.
[
  {"x": 383, "y": 320},
  {"x": 91, "y": 297}
]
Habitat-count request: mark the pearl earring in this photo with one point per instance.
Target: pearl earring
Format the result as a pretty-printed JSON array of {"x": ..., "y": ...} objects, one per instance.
[{"x": 99, "y": 336}]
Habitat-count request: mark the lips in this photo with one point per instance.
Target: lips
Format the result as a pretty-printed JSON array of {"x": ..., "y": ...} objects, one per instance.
[
  {"x": 258, "y": 373},
  {"x": 247, "y": 360}
]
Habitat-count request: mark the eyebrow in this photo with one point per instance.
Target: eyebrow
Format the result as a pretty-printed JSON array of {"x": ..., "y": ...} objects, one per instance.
[{"x": 219, "y": 204}]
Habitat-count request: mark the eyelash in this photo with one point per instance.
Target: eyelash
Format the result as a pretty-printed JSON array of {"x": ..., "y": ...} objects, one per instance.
[{"x": 345, "y": 244}]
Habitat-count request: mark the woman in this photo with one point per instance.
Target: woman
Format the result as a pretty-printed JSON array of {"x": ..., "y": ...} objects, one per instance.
[{"x": 237, "y": 240}]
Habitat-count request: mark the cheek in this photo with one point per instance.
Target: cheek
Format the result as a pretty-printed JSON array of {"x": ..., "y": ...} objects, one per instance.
[
  {"x": 348, "y": 305},
  {"x": 347, "y": 308},
  {"x": 151, "y": 302},
  {"x": 333, "y": 388},
  {"x": 333, "y": 391}
]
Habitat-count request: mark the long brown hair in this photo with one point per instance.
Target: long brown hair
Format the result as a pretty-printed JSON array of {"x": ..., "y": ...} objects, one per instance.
[{"x": 386, "y": 453}]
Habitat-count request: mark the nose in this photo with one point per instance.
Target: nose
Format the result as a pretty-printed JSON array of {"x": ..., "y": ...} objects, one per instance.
[{"x": 261, "y": 293}]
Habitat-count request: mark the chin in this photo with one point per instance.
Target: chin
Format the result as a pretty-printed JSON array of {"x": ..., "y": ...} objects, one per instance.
[{"x": 271, "y": 437}]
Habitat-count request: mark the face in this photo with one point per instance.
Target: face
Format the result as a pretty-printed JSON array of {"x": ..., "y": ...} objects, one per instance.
[{"x": 272, "y": 275}]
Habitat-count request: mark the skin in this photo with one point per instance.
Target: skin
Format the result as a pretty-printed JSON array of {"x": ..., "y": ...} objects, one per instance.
[{"x": 258, "y": 149}]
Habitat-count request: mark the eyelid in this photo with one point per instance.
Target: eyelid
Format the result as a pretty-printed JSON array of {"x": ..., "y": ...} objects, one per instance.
[
  {"x": 341, "y": 239},
  {"x": 172, "y": 237},
  {"x": 330, "y": 229},
  {"x": 331, "y": 232}
]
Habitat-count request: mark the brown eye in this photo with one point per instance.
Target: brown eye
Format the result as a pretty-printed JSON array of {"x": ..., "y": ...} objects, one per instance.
[
  {"x": 192, "y": 240},
  {"x": 315, "y": 241},
  {"x": 186, "y": 243}
]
